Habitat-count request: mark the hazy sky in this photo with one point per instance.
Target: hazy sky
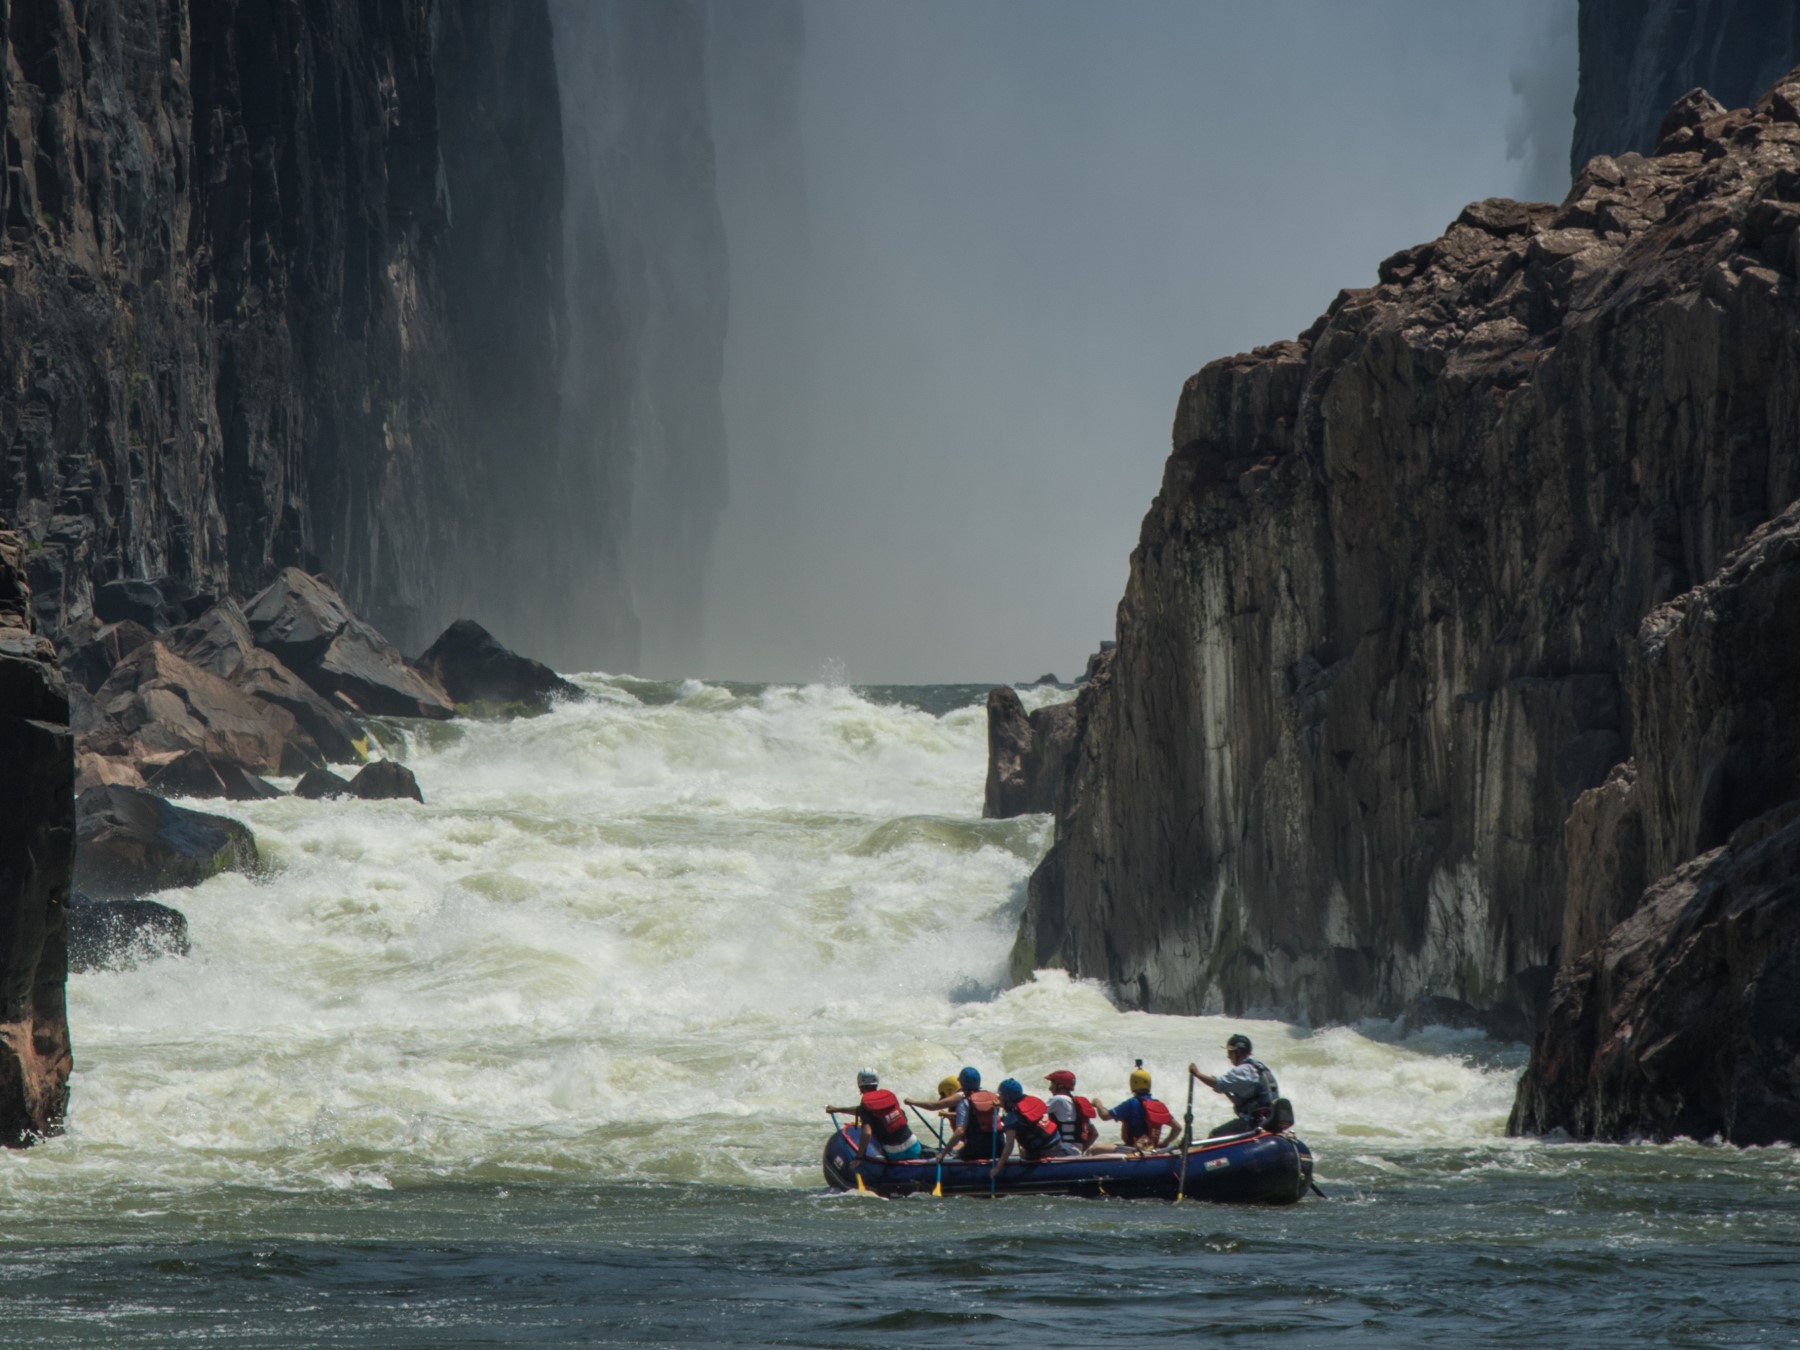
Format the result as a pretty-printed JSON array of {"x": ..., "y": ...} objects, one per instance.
[{"x": 950, "y": 385}]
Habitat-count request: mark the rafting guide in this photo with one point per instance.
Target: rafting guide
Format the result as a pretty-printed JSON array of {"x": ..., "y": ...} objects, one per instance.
[
  {"x": 1012, "y": 1142},
  {"x": 1249, "y": 1085}
]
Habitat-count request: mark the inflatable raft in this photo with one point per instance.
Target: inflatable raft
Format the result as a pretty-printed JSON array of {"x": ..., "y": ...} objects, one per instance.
[{"x": 1250, "y": 1169}]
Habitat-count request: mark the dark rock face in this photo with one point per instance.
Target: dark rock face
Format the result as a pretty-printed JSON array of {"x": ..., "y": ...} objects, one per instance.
[
  {"x": 1639, "y": 56},
  {"x": 385, "y": 779},
  {"x": 1684, "y": 1017},
  {"x": 1371, "y": 650},
  {"x": 1028, "y": 756},
  {"x": 118, "y": 934},
  {"x": 88, "y": 650},
  {"x": 473, "y": 668},
  {"x": 307, "y": 625},
  {"x": 192, "y": 774},
  {"x": 286, "y": 285},
  {"x": 132, "y": 843},
  {"x": 37, "y": 855},
  {"x": 317, "y": 784}
]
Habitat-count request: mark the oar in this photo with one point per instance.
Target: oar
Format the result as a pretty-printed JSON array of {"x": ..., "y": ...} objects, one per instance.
[
  {"x": 994, "y": 1156},
  {"x": 938, "y": 1189},
  {"x": 1187, "y": 1143}
]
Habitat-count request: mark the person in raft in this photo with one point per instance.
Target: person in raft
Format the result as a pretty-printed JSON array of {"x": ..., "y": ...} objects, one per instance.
[
  {"x": 883, "y": 1119},
  {"x": 1028, "y": 1125},
  {"x": 950, "y": 1095},
  {"x": 1249, "y": 1084},
  {"x": 1074, "y": 1116},
  {"x": 1142, "y": 1119},
  {"x": 976, "y": 1136}
]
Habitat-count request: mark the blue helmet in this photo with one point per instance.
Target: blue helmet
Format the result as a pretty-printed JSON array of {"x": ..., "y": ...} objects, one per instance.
[
  {"x": 970, "y": 1078},
  {"x": 1011, "y": 1090}
]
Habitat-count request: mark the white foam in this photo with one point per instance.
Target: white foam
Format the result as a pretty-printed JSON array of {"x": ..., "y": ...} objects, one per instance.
[{"x": 640, "y": 937}]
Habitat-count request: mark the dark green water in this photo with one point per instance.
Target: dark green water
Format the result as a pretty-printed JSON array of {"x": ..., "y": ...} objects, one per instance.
[{"x": 1680, "y": 1246}]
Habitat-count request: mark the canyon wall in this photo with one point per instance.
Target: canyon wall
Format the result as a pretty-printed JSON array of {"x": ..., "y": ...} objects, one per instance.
[
  {"x": 1639, "y": 56},
  {"x": 1373, "y": 646},
  {"x": 427, "y": 294},
  {"x": 37, "y": 863}
]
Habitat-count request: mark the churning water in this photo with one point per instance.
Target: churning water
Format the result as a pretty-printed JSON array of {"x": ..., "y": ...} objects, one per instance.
[{"x": 545, "y": 1059}]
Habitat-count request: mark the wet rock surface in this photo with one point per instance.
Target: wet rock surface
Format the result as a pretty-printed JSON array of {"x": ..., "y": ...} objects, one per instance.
[
  {"x": 1373, "y": 648},
  {"x": 132, "y": 843},
  {"x": 317, "y": 784},
  {"x": 119, "y": 934},
  {"x": 474, "y": 669},
  {"x": 385, "y": 779},
  {"x": 37, "y": 854}
]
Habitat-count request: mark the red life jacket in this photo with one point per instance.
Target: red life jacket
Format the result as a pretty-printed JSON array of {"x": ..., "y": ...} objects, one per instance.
[
  {"x": 1156, "y": 1115},
  {"x": 982, "y": 1108},
  {"x": 1037, "y": 1130},
  {"x": 882, "y": 1113}
]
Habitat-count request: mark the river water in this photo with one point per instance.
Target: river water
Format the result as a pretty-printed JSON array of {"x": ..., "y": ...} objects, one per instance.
[{"x": 544, "y": 1062}]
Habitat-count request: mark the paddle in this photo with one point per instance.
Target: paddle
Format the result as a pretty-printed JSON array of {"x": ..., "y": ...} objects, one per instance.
[
  {"x": 862, "y": 1140},
  {"x": 938, "y": 1189},
  {"x": 1187, "y": 1143}
]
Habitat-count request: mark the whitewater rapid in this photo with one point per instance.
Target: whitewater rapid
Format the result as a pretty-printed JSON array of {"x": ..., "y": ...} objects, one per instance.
[{"x": 645, "y": 937}]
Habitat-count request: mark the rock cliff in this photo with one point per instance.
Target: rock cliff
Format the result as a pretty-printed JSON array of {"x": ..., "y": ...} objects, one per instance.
[
  {"x": 1684, "y": 1016},
  {"x": 1639, "y": 56},
  {"x": 1373, "y": 646},
  {"x": 380, "y": 288},
  {"x": 37, "y": 859}
]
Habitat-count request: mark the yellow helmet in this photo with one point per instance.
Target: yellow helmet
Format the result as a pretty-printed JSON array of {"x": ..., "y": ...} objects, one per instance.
[
  {"x": 1140, "y": 1080},
  {"x": 948, "y": 1087}
]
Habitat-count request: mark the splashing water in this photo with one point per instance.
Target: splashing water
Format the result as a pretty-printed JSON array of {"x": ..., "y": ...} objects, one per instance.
[{"x": 593, "y": 996}]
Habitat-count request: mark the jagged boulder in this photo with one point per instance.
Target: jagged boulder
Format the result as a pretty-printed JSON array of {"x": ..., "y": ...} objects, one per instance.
[
  {"x": 386, "y": 779},
  {"x": 317, "y": 784},
  {"x": 193, "y": 774},
  {"x": 156, "y": 706},
  {"x": 476, "y": 670},
  {"x": 118, "y": 934},
  {"x": 220, "y": 641},
  {"x": 307, "y": 625},
  {"x": 37, "y": 840},
  {"x": 132, "y": 843}
]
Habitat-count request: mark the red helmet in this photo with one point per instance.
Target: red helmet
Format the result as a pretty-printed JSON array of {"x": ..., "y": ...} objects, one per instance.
[{"x": 1062, "y": 1080}]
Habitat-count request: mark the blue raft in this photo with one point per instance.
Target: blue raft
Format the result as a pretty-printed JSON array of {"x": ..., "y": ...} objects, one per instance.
[{"x": 1249, "y": 1169}]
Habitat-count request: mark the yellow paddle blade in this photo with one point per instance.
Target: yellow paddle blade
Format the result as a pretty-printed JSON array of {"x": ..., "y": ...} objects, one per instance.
[
  {"x": 938, "y": 1190},
  {"x": 862, "y": 1189}
]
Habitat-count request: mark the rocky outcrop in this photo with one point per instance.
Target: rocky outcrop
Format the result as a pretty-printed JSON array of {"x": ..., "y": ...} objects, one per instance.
[
  {"x": 1639, "y": 56},
  {"x": 385, "y": 780},
  {"x": 156, "y": 706},
  {"x": 1684, "y": 1017},
  {"x": 1371, "y": 651},
  {"x": 318, "y": 784},
  {"x": 118, "y": 934},
  {"x": 475, "y": 670},
  {"x": 309, "y": 627},
  {"x": 132, "y": 843},
  {"x": 37, "y": 855},
  {"x": 219, "y": 641},
  {"x": 1028, "y": 755}
]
